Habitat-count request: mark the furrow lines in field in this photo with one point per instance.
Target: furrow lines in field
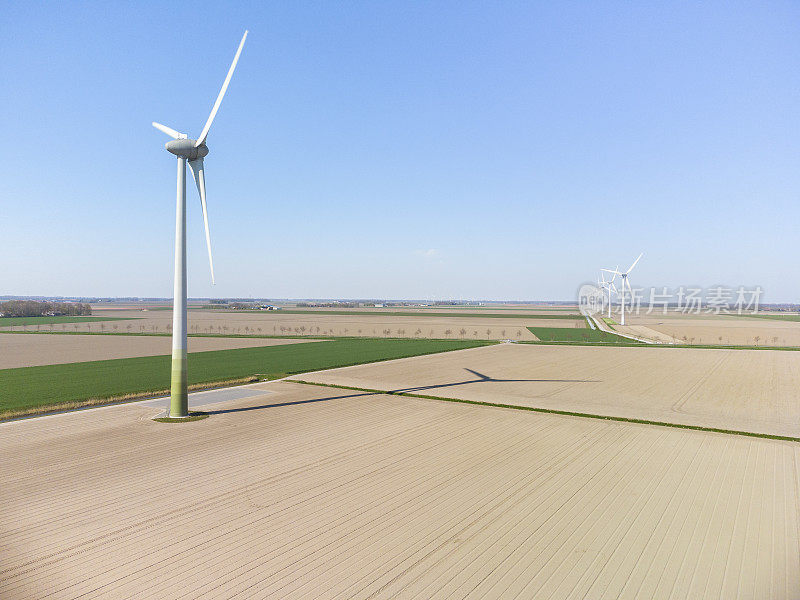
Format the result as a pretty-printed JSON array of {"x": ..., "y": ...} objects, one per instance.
[
  {"x": 596, "y": 500},
  {"x": 312, "y": 536},
  {"x": 189, "y": 514},
  {"x": 113, "y": 503},
  {"x": 671, "y": 484},
  {"x": 541, "y": 525},
  {"x": 548, "y": 485},
  {"x": 643, "y": 506},
  {"x": 476, "y": 518}
]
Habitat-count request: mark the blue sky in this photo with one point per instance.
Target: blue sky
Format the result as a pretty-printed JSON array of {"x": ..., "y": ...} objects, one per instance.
[{"x": 403, "y": 149}]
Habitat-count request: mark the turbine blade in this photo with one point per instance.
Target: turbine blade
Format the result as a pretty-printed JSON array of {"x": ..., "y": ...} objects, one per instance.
[
  {"x": 214, "y": 110},
  {"x": 634, "y": 263},
  {"x": 200, "y": 179},
  {"x": 175, "y": 135},
  {"x": 610, "y": 271}
]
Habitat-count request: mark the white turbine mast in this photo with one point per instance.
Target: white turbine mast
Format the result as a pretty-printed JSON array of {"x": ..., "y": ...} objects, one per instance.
[
  {"x": 625, "y": 283},
  {"x": 193, "y": 151},
  {"x": 608, "y": 286}
]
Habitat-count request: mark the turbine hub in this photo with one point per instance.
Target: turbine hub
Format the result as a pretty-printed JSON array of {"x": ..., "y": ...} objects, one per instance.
[{"x": 185, "y": 149}]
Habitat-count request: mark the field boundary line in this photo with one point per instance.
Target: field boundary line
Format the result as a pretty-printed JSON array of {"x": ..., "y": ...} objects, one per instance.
[{"x": 555, "y": 411}]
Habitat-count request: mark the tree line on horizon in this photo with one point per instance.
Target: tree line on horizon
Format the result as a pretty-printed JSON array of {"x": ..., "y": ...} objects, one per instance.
[{"x": 34, "y": 308}]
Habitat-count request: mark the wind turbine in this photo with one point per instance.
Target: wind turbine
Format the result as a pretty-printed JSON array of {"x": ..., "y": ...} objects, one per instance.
[
  {"x": 625, "y": 282},
  {"x": 193, "y": 151},
  {"x": 608, "y": 286}
]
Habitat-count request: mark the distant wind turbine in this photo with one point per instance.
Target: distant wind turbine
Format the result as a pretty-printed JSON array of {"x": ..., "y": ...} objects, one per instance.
[
  {"x": 608, "y": 286},
  {"x": 193, "y": 151},
  {"x": 625, "y": 283}
]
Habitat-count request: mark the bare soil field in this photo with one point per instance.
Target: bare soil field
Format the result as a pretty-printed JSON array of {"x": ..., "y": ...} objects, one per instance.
[
  {"x": 764, "y": 333},
  {"x": 555, "y": 312},
  {"x": 487, "y": 308},
  {"x": 711, "y": 329},
  {"x": 746, "y": 390},
  {"x": 644, "y": 332},
  {"x": 306, "y": 492},
  {"x": 271, "y": 322},
  {"x": 22, "y": 350}
]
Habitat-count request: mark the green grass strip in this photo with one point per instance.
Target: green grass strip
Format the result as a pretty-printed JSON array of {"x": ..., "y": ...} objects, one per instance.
[
  {"x": 553, "y": 411},
  {"x": 31, "y": 388},
  {"x": 574, "y": 334}
]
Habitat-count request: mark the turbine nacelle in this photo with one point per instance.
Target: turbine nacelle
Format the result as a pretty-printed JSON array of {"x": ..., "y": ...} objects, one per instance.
[
  {"x": 194, "y": 151},
  {"x": 187, "y": 148},
  {"x": 625, "y": 284}
]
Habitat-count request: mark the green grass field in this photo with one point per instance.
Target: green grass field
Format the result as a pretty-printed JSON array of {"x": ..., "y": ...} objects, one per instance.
[
  {"x": 568, "y": 334},
  {"x": 14, "y": 321},
  {"x": 31, "y": 388}
]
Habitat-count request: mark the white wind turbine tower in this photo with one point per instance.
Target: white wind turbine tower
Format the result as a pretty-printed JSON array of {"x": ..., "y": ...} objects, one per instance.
[
  {"x": 192, "y": 151},
  {"x": 608, "y": 286},
  {"x": 625, "y": 283}
]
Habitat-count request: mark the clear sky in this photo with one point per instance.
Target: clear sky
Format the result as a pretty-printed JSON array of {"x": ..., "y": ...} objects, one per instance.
[{"x": 498, "y": 150}]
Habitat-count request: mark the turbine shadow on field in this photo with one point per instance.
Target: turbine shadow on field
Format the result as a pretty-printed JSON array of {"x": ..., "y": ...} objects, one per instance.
[
  {"x": 481, "y": 378},
  {"x": 279, "y": 404}
]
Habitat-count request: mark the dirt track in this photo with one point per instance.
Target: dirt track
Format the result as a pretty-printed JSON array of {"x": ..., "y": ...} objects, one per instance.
[
  {"x": 342, "y": 495},
  {"x": 711, "y": 329}
]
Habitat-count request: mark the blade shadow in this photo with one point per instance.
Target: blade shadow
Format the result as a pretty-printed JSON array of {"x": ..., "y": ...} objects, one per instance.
[
  {"x": 292, "y": 403},
  {"x": 481, "y": 378}
]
